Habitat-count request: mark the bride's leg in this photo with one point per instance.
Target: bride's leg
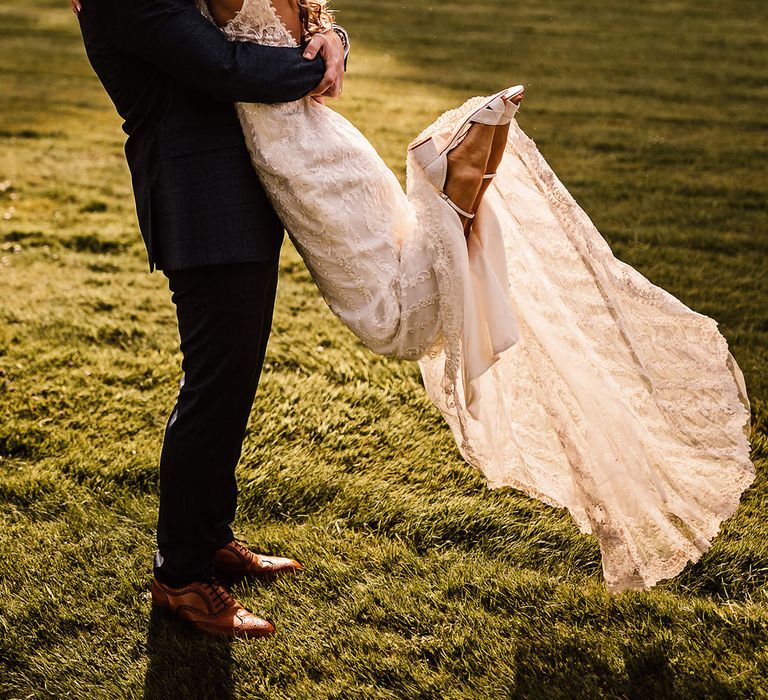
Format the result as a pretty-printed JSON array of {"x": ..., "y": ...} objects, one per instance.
[
  {"x": 501, "y": 133},
  {"x": 466, "y": 165}
]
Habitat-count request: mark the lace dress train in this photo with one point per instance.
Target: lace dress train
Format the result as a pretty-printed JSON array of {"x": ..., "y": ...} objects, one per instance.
[{"x": 561, "y": 371}]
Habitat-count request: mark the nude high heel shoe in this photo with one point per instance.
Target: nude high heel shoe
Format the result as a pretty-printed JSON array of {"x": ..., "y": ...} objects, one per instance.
[{"x": 432, "y": 155}]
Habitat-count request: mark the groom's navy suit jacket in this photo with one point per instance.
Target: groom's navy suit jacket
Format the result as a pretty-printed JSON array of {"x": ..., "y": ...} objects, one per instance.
[{"x": 173, "y": 77}]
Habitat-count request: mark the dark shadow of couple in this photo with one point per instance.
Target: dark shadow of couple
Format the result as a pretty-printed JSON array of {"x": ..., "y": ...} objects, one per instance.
[{"x": 186, "y": 664}]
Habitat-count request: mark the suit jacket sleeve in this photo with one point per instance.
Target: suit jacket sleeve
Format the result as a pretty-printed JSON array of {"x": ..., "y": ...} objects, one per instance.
[{"x": 175, "y": 37}]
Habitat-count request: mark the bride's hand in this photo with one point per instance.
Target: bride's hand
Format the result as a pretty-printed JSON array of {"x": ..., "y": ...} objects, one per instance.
[
  {"x": 329, "y": 46},
  {"x": 76, "y": 7}
]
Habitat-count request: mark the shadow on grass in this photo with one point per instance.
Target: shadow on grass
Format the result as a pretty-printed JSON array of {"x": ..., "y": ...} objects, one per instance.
[{"x": 184, "y": 664}]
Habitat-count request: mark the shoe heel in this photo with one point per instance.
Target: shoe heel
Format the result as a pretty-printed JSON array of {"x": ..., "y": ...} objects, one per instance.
[
  {"x": 432, "y": 160},
  {"x": 159, "y": 598}
]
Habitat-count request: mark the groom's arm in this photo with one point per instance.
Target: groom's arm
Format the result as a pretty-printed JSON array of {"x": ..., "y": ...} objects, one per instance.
[{"x": 175, "y": 37}]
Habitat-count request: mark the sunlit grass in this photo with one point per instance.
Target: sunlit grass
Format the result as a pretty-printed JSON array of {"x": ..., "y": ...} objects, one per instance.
[{"x": 419, "y": 582}]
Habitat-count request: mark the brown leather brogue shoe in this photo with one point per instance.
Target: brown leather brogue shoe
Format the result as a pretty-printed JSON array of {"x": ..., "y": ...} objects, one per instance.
[
  {"x": 236, "y": 560},
  {"x": 209, "y": 608}
]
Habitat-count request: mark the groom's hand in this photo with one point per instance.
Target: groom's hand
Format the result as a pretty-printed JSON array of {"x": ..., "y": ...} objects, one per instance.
[
  {"x": 76, "y": 7},
  {"x": 330, "y": 47}
]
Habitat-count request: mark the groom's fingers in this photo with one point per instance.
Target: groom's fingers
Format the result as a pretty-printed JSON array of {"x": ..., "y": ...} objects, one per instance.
[
  {"x": 329, "y": 46},
  {"x": 330, "y": 85},
  {"x": 324, "y": 86},
  {"x": 333, "y": 55},
  {"x": 76, "y": 7},
  {"x": 310, "y": 53},
  {"x": 314, "y": 46}
]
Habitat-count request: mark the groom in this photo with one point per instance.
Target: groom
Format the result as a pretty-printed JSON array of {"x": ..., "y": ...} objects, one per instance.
[{"x": 208, "y": 225}]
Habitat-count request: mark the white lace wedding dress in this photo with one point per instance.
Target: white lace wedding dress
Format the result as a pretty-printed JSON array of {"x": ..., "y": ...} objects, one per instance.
[{"x": 562, "y": 372}]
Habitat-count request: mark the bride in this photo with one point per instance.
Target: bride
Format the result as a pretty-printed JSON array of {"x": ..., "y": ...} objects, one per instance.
[{"x": 561, "y": 371}]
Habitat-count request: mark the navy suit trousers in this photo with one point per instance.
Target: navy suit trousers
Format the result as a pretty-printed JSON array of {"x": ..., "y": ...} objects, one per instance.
[{"x": 225, "y": 316}]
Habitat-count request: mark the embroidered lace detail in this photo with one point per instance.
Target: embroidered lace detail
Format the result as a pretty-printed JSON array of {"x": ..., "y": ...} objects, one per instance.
[
  {"x": 594, "y": 390},
  {"x": 618, "y": 403}
]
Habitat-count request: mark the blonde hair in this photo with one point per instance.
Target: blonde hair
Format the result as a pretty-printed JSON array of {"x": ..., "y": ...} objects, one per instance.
[{"x": 315, "y": 16}]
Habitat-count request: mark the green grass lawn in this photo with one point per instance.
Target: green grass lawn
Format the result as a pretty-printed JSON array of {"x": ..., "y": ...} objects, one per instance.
[{"x": 419, "y": 582}]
